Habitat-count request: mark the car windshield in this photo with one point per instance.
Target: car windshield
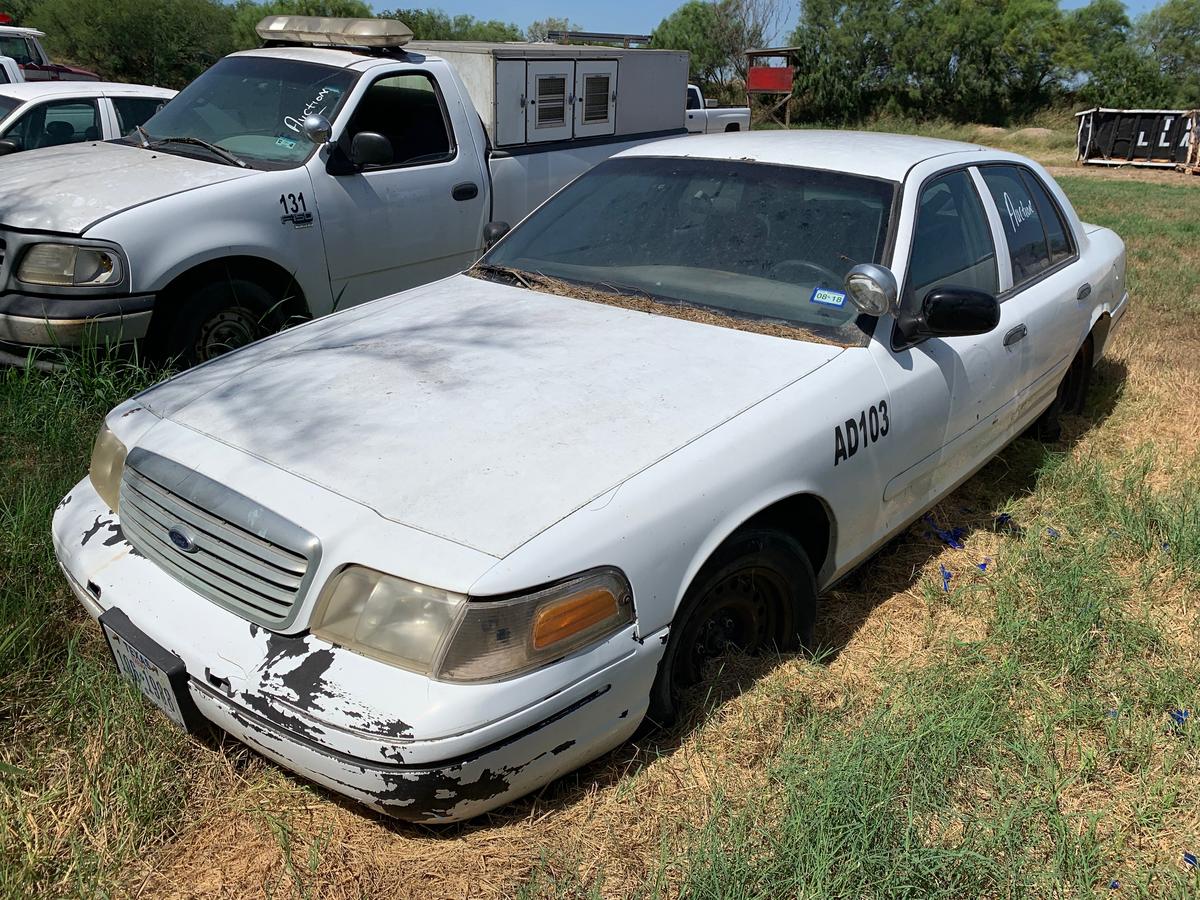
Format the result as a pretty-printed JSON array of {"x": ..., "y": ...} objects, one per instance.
[
  {"x": 748, "y": 241},
  {"x": 7, "y": 105},
  {"x": 252, "y": 107}
]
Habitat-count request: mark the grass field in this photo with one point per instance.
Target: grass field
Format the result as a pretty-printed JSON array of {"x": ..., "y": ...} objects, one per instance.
[{"x": 1017, "y": 730}]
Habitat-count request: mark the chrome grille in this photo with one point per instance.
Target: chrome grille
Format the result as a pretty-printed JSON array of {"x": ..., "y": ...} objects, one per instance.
[{"x": 235, "y": 552}]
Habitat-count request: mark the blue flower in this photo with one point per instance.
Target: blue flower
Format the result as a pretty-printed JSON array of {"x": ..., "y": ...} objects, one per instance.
[
  {"x": 1114, "y": 884},
  {"x": 1180, "y": 717}
]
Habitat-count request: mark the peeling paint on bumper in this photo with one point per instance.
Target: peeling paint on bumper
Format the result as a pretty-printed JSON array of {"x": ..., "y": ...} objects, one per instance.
[{"x": 400, "y": 743}]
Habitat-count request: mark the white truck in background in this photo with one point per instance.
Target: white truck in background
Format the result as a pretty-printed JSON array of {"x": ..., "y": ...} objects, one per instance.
[
  {"x": 337, "y": 164},
  {"x": 706, "y": 117},
  {"x": 10, "y": 72}
]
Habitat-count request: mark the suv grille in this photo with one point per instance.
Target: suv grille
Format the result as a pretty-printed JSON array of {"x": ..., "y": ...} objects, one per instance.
[{"x": 217, "y": 542}]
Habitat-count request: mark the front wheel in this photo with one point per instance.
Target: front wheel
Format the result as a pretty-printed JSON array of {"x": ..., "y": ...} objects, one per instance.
[
  {"x": 757, "y": 593},
  {"x": 215, "y": 318}
]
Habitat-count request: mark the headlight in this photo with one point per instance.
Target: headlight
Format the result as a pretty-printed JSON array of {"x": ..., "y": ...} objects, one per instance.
[
  {"x": 455, "y": 639},
  {"x": 68, "y": 265},
  {"x": 108, "y": 462}
]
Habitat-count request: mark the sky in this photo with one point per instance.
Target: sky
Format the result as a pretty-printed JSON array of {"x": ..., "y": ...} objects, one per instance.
[{"x": 627, "y": 16}]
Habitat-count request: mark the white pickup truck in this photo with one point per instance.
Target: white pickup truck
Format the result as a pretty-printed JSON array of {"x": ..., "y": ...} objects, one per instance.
[
  {"x": 705, "y": 117},
  {"x": 333, "y": 166}
]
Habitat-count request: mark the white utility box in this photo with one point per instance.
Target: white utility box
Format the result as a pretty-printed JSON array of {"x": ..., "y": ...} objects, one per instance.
[{"x": 539, "y": 93}]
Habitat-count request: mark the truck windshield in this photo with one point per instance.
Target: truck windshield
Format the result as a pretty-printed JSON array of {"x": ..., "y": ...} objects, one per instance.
[
  {"x": 747, "y": 241},
  {"x": 252, "y": 107}
]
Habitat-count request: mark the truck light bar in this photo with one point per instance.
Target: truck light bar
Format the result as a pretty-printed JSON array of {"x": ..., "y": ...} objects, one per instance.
[{"x": 322, "y": 30}]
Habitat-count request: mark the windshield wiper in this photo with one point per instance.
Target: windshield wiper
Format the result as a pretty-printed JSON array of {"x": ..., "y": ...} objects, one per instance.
[
  {"x": 506, "y": 271},
  {"x": 198, "y": 142},
  {"x": 142, "y": 136}
]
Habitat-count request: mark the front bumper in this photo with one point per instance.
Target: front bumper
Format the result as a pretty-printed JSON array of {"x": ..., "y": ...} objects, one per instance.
[
  {"x": 292, "y": 699},
  {"x": 30, "y": 320}
]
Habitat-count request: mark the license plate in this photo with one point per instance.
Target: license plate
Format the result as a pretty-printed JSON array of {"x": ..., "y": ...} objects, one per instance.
[{"x": 158, "y": 674}]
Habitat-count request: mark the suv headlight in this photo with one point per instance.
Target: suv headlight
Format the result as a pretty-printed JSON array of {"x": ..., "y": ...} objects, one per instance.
[
  {"x": 70, "y": 265},
  {"x": 451, "y": 638},
  {"x": 108, "y": 463}
]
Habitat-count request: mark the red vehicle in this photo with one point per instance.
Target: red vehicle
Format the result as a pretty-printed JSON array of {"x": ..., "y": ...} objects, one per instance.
[{"x": 23, "y": 46}]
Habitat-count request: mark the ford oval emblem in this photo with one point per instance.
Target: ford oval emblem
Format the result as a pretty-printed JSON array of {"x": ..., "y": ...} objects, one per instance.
[{"x": 182, "y": 539}]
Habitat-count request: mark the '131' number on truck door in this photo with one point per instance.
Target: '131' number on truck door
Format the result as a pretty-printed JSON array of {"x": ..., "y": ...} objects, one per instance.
[
  {"x": 292, "y": 203},
  {"x": 871, "y": 425}
]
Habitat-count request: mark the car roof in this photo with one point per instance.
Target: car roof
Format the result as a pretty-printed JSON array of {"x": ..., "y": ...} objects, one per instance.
[
  {"x": 37, "y": 90},
  {"x": 870, "y": 153}
]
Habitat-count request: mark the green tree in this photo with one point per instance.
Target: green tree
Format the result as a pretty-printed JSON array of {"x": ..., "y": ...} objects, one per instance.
[
  {"x": 538, "y": 30},
  {"x": 164, "y": 42},
  {"x": 1170, "y": 33},
  {"x": 694, "y": 27},
  {"x": 248, "y": 14},
  {"x": 1103, "y": 62},
  {"x": 435, "y": 25}
]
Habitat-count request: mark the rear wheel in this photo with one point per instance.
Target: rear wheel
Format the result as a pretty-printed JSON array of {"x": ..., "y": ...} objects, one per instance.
[
  {"x": 757, "y": 593},
  {"x": 1071, "y": 395},
  {"x": 214, "y": 318}
]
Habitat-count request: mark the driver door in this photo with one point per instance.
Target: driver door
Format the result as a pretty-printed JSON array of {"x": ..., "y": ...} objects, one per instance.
[
  {"x": 418, "y": 218},
  {"x": 952, "y": 399}
]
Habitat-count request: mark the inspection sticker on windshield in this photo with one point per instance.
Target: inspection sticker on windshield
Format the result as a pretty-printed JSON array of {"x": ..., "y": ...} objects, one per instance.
[
  {"x": 826, "y": 297},
  {"x": 285, "y": 142}
]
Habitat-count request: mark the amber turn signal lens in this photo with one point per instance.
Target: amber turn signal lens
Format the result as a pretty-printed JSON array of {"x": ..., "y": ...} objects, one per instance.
[{"x": 565, "y": 618}]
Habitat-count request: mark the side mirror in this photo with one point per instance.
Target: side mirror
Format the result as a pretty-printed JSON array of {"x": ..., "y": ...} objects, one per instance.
[
  {"x": 370, "y": 148},
  {"x": 872, "y": 289},
  {"x": 9, "y": 146},
  {"x": 950, "y": 311},
  {"x": 492, "y": 232},
  {"x": 317, "y": 129},
  {"x": 710, "y": 104}
]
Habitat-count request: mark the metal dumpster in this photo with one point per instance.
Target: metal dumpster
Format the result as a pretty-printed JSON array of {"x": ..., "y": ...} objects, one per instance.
[{"x": 1161, "y": 138}]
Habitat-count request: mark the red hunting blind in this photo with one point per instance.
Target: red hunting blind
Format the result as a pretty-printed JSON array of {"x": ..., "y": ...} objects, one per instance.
[{"x": 773, "y": 82}]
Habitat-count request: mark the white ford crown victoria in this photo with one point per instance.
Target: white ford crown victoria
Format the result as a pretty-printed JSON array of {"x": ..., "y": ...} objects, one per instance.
[{"x": 436, "y": 550}]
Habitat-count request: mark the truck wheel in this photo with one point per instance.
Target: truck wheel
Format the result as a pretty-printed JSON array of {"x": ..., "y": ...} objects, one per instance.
[
  {"x": 217, "y": 317},
  {"x": 757, "y": 593},
  {"x": 1071, "y": 395},
  {"x": 733, "y": 126}
]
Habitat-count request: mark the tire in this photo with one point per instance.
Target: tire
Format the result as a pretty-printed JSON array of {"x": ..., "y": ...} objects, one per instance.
[
  {"x": 216, "y": 317},
  {"x": 756, "y": 593},
  {"x": 1070, "y": 397}
]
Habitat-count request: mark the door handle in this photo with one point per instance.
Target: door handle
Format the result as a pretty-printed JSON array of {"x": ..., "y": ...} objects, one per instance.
[
  {"x": 1085, "y": 291},
  {"x": 1014, "y": 335},
  {"x": 468, "y": 190}
]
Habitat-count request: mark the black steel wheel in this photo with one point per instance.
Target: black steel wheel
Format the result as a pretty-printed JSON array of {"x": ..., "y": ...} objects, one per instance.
[
  {"x": 756, "y": 594},
  {"x": 215, "y": 318}
]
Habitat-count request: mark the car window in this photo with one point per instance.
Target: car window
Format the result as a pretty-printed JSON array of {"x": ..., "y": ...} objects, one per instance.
[
  {"x": 134, "y": 111},
  {"x": 952, "y": 244},
  {"x": 56, "y": 123},
  {"x": 748, "y": 240},
  {"x": 253, "y": 106},
  {"x": 1052, "y": 220},
  {"x": 18, "y": 48},
  {"x": 7, "y": 105},
  {"x": 407, "y": 110},
  {"x": 1022, "y": 222},
  {"x": 693, "y": 98}
]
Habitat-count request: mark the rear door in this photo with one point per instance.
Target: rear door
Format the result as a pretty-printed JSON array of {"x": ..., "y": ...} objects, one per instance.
[
  {"x": 952, "y": 398},
  {"x": 1046, "y": 285}
]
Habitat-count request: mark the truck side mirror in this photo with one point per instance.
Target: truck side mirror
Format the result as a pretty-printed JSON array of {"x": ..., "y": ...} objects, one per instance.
[
  {"x": 369, "y": 148},
  {"x": 492, "y": 232},
  {"x": 9, "y": 146}
]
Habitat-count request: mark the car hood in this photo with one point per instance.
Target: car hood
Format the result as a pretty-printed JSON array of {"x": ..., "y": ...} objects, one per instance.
[
  {"x": 478, "y": 412},
  {"x": 69, "y": 189}
]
